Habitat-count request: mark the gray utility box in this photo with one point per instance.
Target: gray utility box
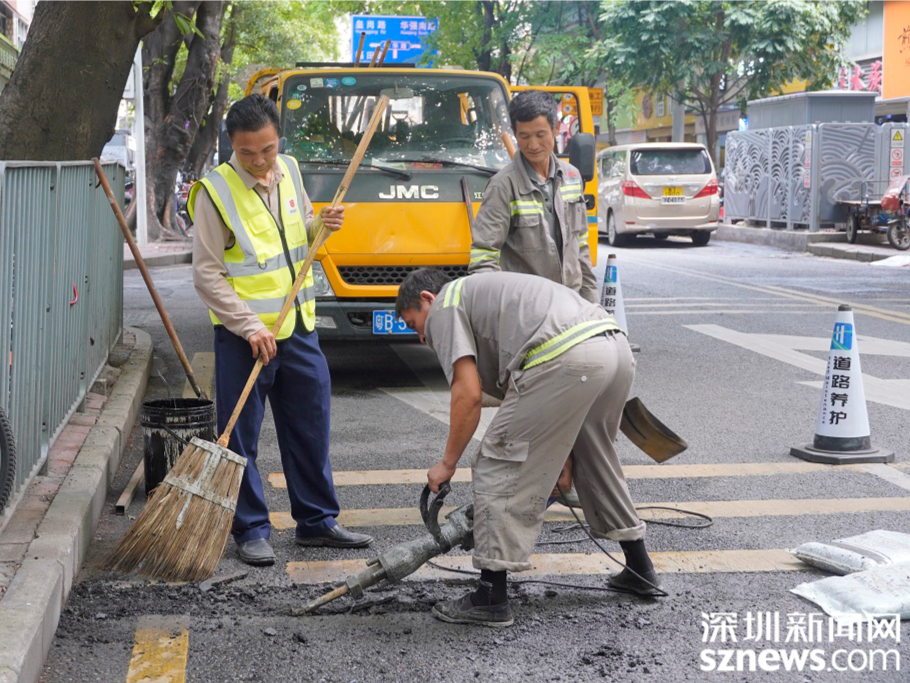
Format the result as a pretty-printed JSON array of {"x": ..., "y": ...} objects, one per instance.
[{"x": 800, "y": 109}]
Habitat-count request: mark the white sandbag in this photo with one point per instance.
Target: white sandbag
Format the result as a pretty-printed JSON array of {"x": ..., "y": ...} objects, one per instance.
[
  {"x": 879, "y": 591},
  {"x": 858, "y": 553}
]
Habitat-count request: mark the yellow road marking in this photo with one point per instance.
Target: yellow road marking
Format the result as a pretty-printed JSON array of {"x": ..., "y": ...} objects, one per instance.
[
  {"x": 160, "y": 650},
  {"x": 203, "y": 364},
  {"x": 716, "y": 508},
  {"x": 548, "y": 564},
  {"x": 746, "y": 469}
]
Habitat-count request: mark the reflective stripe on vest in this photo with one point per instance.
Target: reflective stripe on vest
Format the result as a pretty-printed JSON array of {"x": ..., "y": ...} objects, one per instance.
[
  {"x": 256, "y": 265},
  {"x": 566, "y": 340}
]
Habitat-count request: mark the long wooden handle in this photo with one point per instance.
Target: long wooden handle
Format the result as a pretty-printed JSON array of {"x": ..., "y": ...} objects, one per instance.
[
  {"x": 322, "y": 235},
  {"x": 165, "y": 318},
  {"x": 467, "y": 202},
  {"x": 363, "y": 36},
  {"x": 510, "y": 146}
]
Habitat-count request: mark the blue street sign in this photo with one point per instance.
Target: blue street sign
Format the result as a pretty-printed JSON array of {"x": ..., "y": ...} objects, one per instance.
[{"x": 408, "y": 36}]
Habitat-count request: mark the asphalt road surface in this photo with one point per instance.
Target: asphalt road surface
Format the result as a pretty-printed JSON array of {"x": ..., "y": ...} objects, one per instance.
[{"x": 733, "y": 340}]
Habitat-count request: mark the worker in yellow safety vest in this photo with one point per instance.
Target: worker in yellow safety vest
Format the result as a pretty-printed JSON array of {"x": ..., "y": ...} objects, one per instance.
[{"x": 253, "y": 223}]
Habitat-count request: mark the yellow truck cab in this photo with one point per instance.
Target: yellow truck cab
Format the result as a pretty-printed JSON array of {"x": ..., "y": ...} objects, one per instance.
[{"x": 406, "y": 206}]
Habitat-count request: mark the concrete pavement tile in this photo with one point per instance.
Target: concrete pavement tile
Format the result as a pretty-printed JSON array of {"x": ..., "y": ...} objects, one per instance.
[
  {"x": 865, "y": 256},
  {"x": 12, "y": 552},
  {"x": 21, "y": 528}
]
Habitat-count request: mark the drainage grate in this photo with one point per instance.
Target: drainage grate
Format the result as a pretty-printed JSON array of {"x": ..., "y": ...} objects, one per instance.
[{"x": 389, "y": 275}]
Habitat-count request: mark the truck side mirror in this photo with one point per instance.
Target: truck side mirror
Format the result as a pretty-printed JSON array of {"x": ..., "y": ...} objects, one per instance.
[{"x": 582, "y": 151}]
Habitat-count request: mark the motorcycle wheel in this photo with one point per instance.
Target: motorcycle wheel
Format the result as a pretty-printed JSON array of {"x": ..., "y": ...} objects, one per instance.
[
  {"x": 899, "y": 235},
  {"x": 7, "y": 460},
  {"x": 853, "y": 228}
]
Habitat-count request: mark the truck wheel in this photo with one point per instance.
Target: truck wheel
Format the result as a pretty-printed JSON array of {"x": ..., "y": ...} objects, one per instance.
[
  {"x": 701, "y": 237},
  {"x": 853, "y": 228},
  {"x": 7, "y": 460}
]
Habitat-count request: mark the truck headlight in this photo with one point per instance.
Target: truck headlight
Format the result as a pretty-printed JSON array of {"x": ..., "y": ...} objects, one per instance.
[{"x": 321, "y": 286}]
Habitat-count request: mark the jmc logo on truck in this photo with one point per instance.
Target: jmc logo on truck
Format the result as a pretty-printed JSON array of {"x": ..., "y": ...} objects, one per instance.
[{"x": 411, "y": 192}]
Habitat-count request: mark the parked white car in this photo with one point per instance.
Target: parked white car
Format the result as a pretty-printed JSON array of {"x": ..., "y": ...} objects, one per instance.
[{"x": 658, "y": 188}]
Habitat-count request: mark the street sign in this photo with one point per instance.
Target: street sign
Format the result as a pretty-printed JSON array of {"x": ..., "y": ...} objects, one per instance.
[
  {"x": 897, "y": 138},
  {"x": 596, "y": 96},
  {"x": 408, "y": 36}
]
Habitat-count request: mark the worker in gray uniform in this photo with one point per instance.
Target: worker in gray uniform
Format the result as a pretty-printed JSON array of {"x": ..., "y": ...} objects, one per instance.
[
  {"x": 563, "y": 370},
  {"x": 533, "y": 218}
]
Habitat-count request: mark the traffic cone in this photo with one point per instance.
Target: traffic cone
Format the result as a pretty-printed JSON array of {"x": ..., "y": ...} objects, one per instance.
[
  {"x": 611, "y": 294},
  {"x": 611, "y": 297},
  {"x": 842, "y": 434}
]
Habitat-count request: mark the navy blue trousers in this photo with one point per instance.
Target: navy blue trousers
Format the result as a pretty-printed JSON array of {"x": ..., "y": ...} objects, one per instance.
[{"x": 297, "y": 385}]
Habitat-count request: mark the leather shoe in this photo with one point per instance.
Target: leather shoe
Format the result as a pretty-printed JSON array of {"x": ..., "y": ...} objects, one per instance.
[
  {"x": 257, "y": 552},
  {"x": 336, "y": 537},
  {"x": 628, "y": 582}
]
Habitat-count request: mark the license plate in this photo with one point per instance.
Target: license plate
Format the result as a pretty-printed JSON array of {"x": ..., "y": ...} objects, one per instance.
[
  {"x": 386, "y": 322},
  {"x": 672, "y": 200},
  {"x": 672, "y": 191}
]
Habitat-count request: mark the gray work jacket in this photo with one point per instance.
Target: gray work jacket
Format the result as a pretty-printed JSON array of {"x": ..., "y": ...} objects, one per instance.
[{"x": 510, "y": 232}]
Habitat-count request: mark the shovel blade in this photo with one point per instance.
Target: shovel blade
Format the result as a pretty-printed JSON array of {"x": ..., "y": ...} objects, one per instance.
[{"x": 648, "y": 433}]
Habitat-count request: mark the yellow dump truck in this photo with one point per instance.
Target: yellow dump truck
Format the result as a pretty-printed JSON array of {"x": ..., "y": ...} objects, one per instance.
[{"x": 406, "y": 207}]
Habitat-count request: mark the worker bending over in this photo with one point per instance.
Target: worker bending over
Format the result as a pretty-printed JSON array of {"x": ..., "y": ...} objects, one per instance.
[{"x": 563, "y": 369}]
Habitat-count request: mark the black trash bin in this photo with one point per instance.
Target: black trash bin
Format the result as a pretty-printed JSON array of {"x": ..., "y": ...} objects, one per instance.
[{"x": 163, "y": 421}]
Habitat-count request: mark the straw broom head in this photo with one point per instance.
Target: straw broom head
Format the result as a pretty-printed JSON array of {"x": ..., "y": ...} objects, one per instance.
[{"x": 181, "y": 533}]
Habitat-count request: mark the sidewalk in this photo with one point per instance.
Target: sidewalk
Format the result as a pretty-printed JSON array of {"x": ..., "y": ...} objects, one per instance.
[
  {"x": 44, "y": 538},
  {"x": 832, "y": 244},
  {"x": 160, "y": 254}
]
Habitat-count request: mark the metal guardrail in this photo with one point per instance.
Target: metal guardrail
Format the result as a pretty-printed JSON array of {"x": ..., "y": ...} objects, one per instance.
[
  {"x": 794, "y": 175},
  {"x": 61, "y": 296}
]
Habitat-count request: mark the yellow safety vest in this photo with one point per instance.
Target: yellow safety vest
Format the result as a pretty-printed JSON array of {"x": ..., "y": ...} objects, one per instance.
[{"x": 259, "y": 263}]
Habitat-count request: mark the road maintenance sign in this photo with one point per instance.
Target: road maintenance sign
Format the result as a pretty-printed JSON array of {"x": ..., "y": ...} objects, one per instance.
[{"x": 596, "y": 96}]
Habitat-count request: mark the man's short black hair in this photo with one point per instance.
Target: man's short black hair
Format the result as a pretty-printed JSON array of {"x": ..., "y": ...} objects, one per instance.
[
  {"x": 423, "y": 279},
  {"x": 529, "y": 104},
  {"x": 252, "y": 113}
]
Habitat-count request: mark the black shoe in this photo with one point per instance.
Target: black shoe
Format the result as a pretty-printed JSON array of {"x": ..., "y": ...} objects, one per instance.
[
  {"x": 463, "y": 611},
  {"x": 257, "y": 552},
  {"x": 336, "y": 537},
  {"x": 628, "y": 582}
]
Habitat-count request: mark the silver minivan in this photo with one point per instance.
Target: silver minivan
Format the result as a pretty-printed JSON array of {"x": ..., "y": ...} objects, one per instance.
[{"x": 657, "y": 188}]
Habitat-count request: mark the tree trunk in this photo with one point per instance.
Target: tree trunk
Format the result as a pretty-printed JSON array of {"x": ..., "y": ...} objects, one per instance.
[
  {"x": 611, "y": 123},
  {"x": 62, "y": 100},
  {"x": 175, "y": 119},
  {"x": 208, "y": 133},
  {"x": 485, "y": 54}
]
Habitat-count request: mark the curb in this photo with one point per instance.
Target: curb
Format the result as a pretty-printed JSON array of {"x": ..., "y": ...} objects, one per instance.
[
  {"x": 31, "y": 608},
  {"x": 790, "y": 240},
  {"x": 160, "y": 260}
]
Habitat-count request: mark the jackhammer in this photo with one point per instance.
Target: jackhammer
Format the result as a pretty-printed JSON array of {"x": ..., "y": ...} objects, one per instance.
[{"x": 393, "y": 565}]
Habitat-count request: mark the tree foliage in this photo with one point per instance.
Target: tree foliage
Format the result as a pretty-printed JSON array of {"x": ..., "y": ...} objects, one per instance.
[{"x": 711, "y": 54}]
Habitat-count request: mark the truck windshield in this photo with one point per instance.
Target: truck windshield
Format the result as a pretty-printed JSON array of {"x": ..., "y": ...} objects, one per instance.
[{"x": 441, "y": 118}]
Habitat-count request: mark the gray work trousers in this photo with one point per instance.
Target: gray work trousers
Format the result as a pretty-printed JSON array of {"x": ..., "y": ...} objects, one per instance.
[{"x": 572, "y": 403}]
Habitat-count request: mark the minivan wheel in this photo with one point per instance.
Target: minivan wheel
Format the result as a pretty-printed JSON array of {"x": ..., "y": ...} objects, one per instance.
[
  {"x": 613, "y": 238},
  {"x": 701, "y": 237}
]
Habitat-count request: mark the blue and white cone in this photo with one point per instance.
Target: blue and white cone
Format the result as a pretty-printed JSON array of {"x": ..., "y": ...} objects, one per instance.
[
  {"x": 611, "y": 297},
  {"x": 842, "y": 433}
]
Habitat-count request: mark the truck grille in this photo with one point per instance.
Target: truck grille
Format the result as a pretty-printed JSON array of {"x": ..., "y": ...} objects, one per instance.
[{"x": 389, "y": 275}]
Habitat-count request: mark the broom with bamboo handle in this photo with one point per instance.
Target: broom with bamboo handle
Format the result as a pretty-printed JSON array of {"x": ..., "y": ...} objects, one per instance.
[{"x": 183, "y": 529}]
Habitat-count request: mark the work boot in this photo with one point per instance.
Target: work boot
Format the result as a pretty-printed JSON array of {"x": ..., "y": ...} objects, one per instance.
[
  {"x": 628, "y": 582},
  {"x": 463, "y": 611},
  {"x": 257, "y": 552},
  {"x": 336, "y": 537}
]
